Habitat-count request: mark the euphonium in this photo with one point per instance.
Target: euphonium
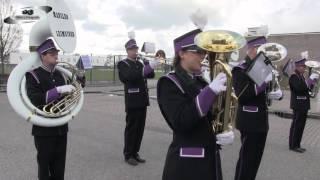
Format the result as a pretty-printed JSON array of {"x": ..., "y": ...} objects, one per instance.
[
  {"x": 219, "y": 44},
  {"x": 58, "y": 24}
]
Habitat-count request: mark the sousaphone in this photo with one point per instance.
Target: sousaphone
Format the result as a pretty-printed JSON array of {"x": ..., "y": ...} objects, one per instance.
[{"x": 56, "y": 23}]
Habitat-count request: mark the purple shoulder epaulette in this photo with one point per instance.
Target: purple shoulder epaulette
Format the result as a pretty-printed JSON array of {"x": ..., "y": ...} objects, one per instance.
[
  {"x": 125, "y": 61},
  {"x": 173, "y": 78},
  {"x": 35, "y": 76},
  {"x": 241, "y": 65}
]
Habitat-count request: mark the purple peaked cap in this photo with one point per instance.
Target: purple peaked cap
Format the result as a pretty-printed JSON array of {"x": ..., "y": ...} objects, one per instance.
[
  {"x": 186, "y": 41},
  {"x": 131, "y": 44},
  {"x": 46, "y": 46},
  {"x": 300, "y": 62},
  {"x": 256, "y": 41}
]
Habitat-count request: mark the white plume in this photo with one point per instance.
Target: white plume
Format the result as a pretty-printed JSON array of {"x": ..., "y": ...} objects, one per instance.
[
  {"x": 305, "y": 55},
  {"x": 131, "y": 35},
  {"x": 199, "y": 19}
]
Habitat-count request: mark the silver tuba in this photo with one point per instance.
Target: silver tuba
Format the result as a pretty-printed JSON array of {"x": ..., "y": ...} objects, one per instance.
[
  {"x": 274, "y": 52},
  {"x": 58, "y": 24},
  {"x": 313, "y": 66}
]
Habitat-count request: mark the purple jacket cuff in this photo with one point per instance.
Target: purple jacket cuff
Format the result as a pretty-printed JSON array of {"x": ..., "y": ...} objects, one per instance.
[
  {"x": 52, "y": 95},
  {"x": 261, "y": 88},
  {"x": 204, "y": 101},
  {"x": 147, "y": 70},
  {"x": 310, "y": 82}
]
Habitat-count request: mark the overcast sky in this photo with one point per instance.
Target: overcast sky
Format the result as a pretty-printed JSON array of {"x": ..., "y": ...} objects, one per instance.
[{"x": 102, "y": 25}]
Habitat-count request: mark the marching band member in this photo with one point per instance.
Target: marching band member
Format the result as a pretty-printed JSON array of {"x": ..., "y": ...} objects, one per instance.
[
  {"x": 185, "y": 100},
  {"x": 252, "y": 114},
  {"x": 300, "y": 103},
  {"x": 133, "y": 74},
  {"x": 160, "y": 54},
  {"x": 44, "y": 85}
]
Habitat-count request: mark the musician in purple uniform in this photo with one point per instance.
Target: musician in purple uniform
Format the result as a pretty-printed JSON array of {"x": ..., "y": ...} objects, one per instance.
[
  {"x": 300, "y": 103},
  {"x": 185, "y": 100},
  {"x": 133, "y": 73},
  {"x": 252, "y": 113},
  {"x": 44, "y": 85}
]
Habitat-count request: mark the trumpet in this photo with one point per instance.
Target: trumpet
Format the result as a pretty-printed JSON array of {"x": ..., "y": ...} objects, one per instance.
[{"x": 152, "y": 58}]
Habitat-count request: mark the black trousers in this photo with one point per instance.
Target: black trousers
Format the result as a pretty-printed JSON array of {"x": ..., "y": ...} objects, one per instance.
[
  {"x": 218, "y": 165},
  {"x": 297, "y": 128},
  {"x": 135, "y": 122},
  {"x": 250, "y": 155},
  {"x": 51, "y": 156}
]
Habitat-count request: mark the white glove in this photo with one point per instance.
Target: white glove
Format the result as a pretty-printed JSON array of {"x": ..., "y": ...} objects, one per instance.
[
  {"x": 275, "y": 95},
  {"x": 276, "y": 73},
  {"x": 268, "y": 78},
  {"x": 204, "y": 68},
  {"x": 314, "y": 76},
  {"x": 154, "y": 63},
  {"x": 225, "y": 138},
  {"x": 65, "y": 89},
  {"x": 206, "y": 75},
  {"x": 218, "y": 84}
]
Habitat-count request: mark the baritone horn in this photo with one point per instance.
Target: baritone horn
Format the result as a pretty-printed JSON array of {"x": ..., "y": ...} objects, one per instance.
[
  {"x": 219, "y": 44},
  {"x": 56, "y": 23}
]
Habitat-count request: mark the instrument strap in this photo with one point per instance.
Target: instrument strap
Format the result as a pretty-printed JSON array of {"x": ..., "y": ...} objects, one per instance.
[{"x": 242, "y": 91}]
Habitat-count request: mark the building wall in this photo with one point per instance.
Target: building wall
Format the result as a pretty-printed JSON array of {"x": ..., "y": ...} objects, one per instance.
[{"x": 295, "y": 44}]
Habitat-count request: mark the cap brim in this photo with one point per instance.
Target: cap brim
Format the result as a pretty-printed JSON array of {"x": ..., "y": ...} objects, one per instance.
[
  {"x": 192, "y": 48},
  {"x": 133, "y": 47},
  {"x": 254, "y": 45},
  {"x": 55, "y": 49},
  {"x": 50, "y": 49}
]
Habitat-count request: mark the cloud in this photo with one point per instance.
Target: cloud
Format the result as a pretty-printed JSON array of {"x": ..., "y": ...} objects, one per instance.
[
  {"x": 157, "y": 15},
  {"x": 94, "y": 26},
  {"x": 102, "y": 25},
  {"x": 78, "y": 8}
]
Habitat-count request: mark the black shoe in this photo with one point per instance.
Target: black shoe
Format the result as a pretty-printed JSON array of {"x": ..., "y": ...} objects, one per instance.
[
  {"x": 132, "y": 161},
  {"x": 302, "y": 149},
  {"x": 139, "y": 159},
  {"x": 298, "y": 150}
]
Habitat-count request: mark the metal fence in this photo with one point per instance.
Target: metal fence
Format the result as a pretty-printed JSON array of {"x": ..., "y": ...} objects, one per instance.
[
  {"x": 108, "y": 75},
  {"x": 98, "y": 75}
]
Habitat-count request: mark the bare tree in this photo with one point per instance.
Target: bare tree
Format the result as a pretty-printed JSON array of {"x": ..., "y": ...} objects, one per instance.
[{"x": 10, "y": 34}]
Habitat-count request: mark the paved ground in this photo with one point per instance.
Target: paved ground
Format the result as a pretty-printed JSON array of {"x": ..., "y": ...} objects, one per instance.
[{"x": 96, "y": 141}]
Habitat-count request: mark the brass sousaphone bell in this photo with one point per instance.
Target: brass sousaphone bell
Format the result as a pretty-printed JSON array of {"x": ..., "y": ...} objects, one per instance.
[{"x": 220, "y": 44}]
